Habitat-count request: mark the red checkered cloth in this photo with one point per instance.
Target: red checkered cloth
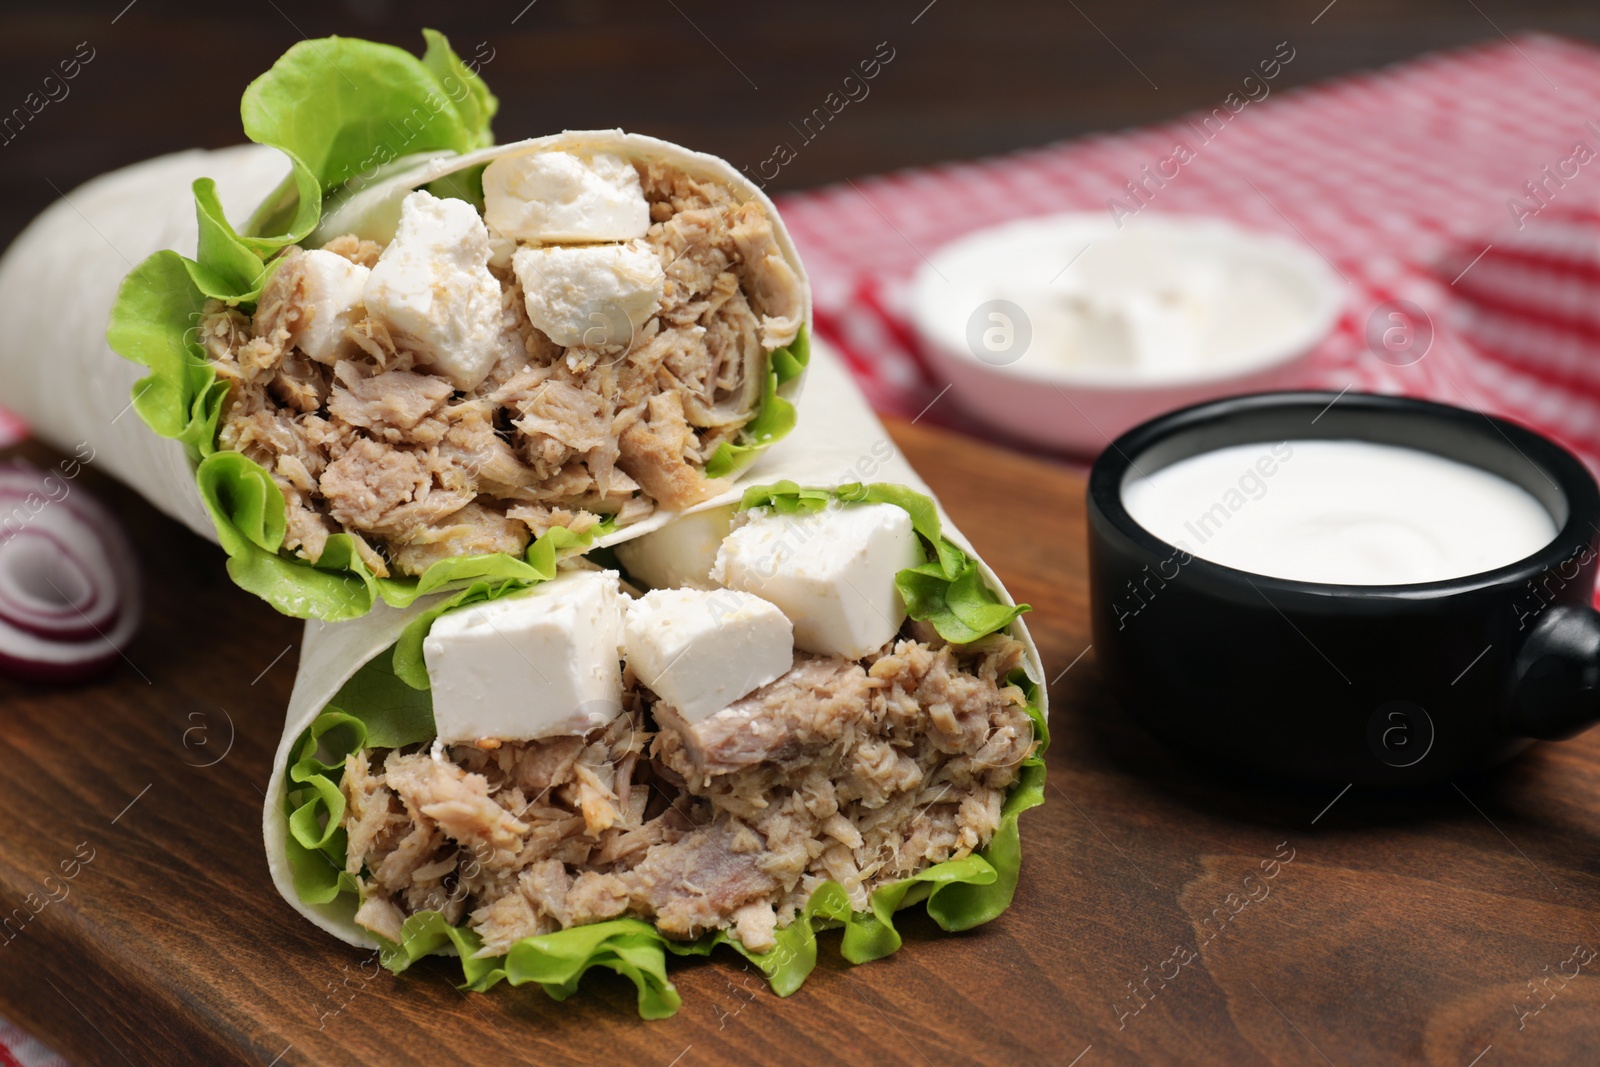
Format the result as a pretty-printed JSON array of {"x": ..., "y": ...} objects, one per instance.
[
  {"x": 1400, "y": 179},
  {"x": 19, "y": 1049}
]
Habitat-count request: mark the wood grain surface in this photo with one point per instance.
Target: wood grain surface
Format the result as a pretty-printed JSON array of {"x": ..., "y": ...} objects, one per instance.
[{"x": 1164, "y": 915}]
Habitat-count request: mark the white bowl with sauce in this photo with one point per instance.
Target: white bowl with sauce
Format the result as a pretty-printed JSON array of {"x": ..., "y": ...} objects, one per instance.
[{"x": 1067, "y": 330}]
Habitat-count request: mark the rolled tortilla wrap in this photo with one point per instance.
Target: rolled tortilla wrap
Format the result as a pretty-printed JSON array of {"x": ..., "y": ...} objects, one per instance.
[
  {"x": 387, "y": 397},
  {"x": 348, "y": 671},
  {"x": 58, "y": 281}
]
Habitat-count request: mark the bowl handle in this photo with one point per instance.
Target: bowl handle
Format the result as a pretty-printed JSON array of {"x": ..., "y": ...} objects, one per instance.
[{"x": 1555, "y": 689}]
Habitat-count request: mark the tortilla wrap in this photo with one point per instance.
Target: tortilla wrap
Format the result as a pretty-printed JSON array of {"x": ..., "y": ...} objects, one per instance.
[
  {"x": 60, "y": 279},
  {"x": 838, "y": 441}
]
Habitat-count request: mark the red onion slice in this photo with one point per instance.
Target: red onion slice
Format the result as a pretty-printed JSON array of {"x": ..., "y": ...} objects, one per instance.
[
  {"x": 48, "y": 590},
  {"x": 69, "y": 580}
]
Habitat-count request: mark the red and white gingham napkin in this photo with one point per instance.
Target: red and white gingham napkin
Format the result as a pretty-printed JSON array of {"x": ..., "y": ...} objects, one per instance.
[
  {"x": 1399, "y": 178},
  {"x": 20, "y": 1049},
  {"x": 1531, "y": 304},
  {"x": 1411, "y": 181}
]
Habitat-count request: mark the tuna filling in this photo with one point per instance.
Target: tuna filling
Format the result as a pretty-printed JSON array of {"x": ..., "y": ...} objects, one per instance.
[
  {"x": 862, "y": 772},
  {"x": 378, "y": 447}
]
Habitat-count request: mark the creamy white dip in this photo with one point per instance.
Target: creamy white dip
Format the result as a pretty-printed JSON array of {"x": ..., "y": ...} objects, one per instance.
[{"x": 1339, "y": 512}]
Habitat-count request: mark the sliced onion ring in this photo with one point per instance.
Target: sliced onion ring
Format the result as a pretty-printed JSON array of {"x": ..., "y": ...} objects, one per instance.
[{"x": 69, "y": 581}]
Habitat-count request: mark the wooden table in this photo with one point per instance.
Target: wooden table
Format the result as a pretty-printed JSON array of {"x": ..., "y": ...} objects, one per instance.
[{"x": 1391, "y": 929}]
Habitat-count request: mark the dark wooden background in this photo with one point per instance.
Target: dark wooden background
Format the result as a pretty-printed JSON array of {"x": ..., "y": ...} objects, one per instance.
[
  {"x": 1409, "y": 929},
  {"x": 969, "y": 76}
]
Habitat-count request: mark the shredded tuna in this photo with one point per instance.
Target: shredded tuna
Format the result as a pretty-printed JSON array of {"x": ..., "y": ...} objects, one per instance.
[
  {"x": 860, "y": 772},
  {"x": 382, "y": 449},
  {"x": 819, "y": 701},
  {"x": 390, "y": 405},
  {"x": 654, "y": 450},
  {"x": 355, "y": 250}
]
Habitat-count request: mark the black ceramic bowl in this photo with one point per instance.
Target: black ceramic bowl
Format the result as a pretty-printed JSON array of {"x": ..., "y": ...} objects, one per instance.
[{"x": 1376, "y": 685}]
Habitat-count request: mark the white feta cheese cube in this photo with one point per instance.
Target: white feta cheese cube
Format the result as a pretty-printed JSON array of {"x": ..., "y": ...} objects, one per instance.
[
  {"x": 832, "y": 573},
  {"x": 331, "y": 300},
  {"x": 501, "y": 249},
  {"x": 433, "y": 290},
  {"x": 532, "y": 665},
  {"x": 681, "y": 553},
  {"x": 595, "y": 296},
  {"x": 701, "y": 650},
  {"x": 553, "y": 197}
]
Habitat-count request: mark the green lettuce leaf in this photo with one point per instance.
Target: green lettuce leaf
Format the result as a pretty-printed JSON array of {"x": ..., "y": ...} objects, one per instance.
[
  {"x": 227, "y": 268},
  {"x": 153, "y": 323},
  {"x": 947, "y": 591},
  {"x": 316, "y": 842},
  {"x": 247, "y": 510},
  {"x": 391, "y": 715},
  {"x": 774, "y": 417},
  {"x": 474, "y": 104},
  {"x": 340, "y": 109},
  {"x": 959, "y": 894}
]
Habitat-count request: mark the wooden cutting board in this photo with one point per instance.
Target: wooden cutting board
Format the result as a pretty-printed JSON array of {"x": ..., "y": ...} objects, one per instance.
[{"x": 1427, "y": 928}]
